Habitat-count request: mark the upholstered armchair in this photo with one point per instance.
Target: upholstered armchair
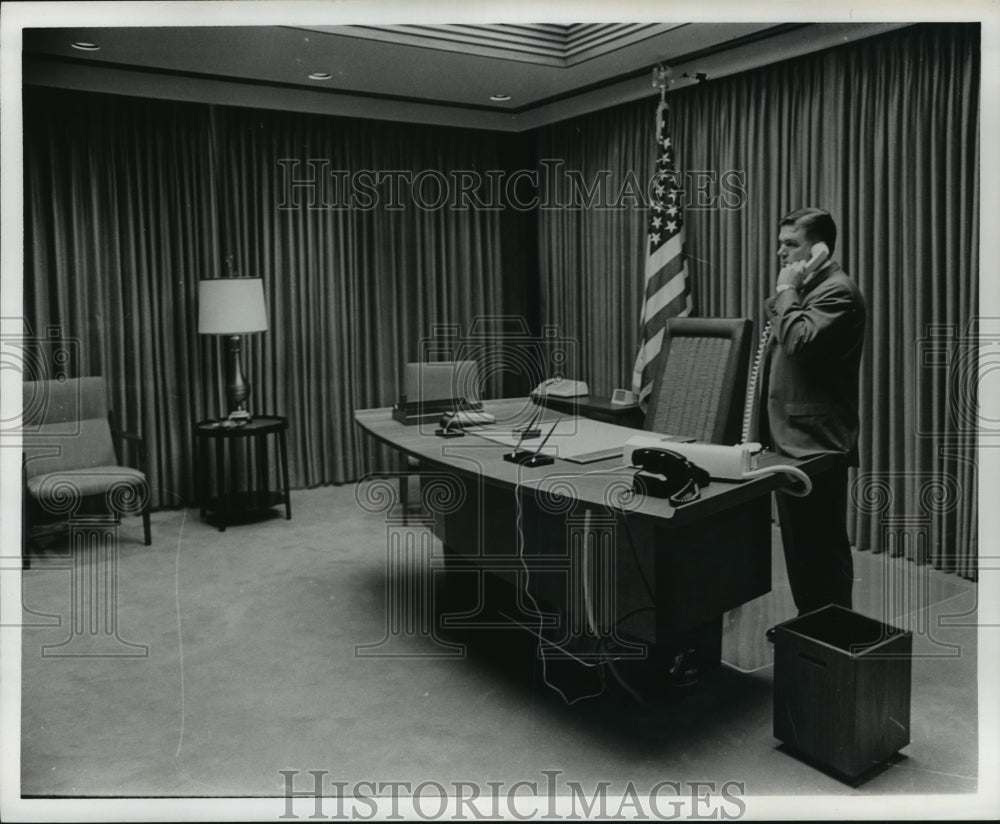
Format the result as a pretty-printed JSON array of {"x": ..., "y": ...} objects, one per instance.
[{"x": 73, "y": 456}]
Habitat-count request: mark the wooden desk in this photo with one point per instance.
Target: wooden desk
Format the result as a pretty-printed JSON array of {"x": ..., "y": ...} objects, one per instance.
[{"x": 580, "y": 550}]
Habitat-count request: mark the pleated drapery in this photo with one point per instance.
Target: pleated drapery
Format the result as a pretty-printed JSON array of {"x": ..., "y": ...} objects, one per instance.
[
  {"x": 884, "y": 134},
  {"x": 129, "y": 203}
]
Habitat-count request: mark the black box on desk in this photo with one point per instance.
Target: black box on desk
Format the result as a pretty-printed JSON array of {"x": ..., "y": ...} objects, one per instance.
[
  {"x": 414, "y": 412},
  {"x": 842, "y": 689}
]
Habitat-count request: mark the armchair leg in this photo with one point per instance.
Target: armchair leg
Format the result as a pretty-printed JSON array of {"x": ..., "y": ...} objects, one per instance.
[{"x": 145, "y": 526}]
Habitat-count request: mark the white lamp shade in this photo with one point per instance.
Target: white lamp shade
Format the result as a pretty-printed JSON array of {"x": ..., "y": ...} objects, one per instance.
[{"x": 231, "y": 306}]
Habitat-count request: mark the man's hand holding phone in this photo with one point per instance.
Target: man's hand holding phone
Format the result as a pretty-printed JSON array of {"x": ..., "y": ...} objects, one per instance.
[
  {"x": 792, "y": 275},
  {"x": 798, "y": 274}
]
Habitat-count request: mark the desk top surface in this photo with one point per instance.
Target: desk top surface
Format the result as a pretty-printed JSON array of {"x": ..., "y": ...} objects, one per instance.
[{"x": 605, "y": 483}]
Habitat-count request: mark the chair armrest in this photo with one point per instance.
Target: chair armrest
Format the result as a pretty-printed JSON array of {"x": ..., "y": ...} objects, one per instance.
[{"x": 134, "y": 438}]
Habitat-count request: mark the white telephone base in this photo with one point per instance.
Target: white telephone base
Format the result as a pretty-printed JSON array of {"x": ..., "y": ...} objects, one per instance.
[
  {"x": 723, "y": 463},
  {"x": 623, "y": 397},
  {"x": 561, "y": 388}
]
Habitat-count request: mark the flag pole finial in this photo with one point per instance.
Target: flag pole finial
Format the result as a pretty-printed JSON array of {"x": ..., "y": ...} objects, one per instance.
[{"x": 661, "y": 79}]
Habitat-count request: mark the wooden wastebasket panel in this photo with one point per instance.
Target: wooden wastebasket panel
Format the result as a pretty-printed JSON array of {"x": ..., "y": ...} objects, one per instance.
[{"x": 842, "y": 689}]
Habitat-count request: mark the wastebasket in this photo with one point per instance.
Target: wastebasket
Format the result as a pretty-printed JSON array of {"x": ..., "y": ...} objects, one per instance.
[{"x": 842, "y": 689}]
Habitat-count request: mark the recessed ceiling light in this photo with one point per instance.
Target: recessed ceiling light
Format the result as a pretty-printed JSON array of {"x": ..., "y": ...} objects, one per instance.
[
  {"x": 500, "y": 98},
  {"x": 321, "y": 76},
  {"x": 82, "y": 45}
]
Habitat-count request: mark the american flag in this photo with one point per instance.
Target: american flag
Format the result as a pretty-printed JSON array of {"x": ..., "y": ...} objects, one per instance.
[{"x": 666, "y": 293}]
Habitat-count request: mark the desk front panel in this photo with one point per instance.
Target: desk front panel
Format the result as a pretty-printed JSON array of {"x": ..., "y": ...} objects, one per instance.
[{"x": 597, "y": 566}]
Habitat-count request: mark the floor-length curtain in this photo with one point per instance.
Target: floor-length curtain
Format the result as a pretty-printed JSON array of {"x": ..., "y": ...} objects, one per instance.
[
  {"x": 357, "y": 281},
  {"x": 129, "y": 203},
  {"x": 884, "y": 134},
  {"x": 120, "y": 219},
  {"x": 592, "y": 238}
]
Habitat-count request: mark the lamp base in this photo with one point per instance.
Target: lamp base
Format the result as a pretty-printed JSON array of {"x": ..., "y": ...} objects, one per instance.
[{"x": 237, "y": 388}]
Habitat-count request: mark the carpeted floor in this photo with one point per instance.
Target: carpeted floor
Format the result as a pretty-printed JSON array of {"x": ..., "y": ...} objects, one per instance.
[{"x": 253, "y": 668}]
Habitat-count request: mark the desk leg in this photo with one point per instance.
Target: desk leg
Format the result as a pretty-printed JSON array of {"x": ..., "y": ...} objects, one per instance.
[
  {"x": 709, "y": 640},
  {"x": 283, "y": 461}
]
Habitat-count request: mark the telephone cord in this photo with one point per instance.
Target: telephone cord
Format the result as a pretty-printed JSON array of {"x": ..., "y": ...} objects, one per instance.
[
  {"x": 527, "y": 574},
  {"x": 586, "y": 594},
  {"x": 784, "y": 469},
  {"x": 755, "y": 369}
]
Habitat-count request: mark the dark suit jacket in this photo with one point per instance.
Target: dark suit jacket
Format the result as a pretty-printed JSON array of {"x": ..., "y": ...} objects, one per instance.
[{"x": 817, "y": 333}]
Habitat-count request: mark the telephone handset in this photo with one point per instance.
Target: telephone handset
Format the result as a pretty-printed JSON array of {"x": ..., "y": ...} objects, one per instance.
[
  {"x": 820, "y": 255},
  {"x": 664, "y": 473}
]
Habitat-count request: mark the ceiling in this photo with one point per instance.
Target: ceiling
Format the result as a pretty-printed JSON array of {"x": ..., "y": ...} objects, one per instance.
[{"x": 504, "y": 76}]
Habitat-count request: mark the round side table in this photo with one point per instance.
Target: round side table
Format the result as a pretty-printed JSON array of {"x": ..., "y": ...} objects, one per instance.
[{"x": 233, "y": 498}]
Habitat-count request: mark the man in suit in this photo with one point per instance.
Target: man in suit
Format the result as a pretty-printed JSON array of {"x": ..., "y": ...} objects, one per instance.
[{"x": 817, "y": 318}]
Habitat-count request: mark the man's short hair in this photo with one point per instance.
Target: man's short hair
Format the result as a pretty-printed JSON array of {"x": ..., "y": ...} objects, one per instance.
[{"x": 818, "y": 225}]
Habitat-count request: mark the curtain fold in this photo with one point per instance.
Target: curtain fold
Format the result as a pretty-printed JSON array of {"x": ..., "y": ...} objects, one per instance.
[
  {"x": 129, "y": 203},
  {"x": 883, "y": 133}
]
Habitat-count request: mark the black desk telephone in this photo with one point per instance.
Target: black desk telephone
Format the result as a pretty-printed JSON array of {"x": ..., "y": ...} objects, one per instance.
[{"x": 666, "y": 474}]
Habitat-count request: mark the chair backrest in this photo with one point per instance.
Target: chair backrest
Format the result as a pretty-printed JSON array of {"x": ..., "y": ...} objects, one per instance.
[
  {"x": 65, "y": 426},
  {"x": 699, "y": 391},
  {"x": 442, "y": 380}
]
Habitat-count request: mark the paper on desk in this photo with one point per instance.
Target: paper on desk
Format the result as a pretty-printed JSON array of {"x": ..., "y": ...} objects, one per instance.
[{"x": 579, "y": 440}]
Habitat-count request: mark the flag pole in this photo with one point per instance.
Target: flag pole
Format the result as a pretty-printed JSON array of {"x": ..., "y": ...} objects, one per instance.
[
  {"x": 661, "y": 79},
  {"x": 665, "y": 288}
]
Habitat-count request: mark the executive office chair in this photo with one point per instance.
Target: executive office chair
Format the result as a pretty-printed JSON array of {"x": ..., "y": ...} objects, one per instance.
[
  {"x": 71, "y": 456},
  {"x": 439, "y": 385},
  {"x": 699, "y": 391}
]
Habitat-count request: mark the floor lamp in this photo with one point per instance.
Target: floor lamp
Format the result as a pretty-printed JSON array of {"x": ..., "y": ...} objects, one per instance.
[{"x": 232, "y": 307}]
